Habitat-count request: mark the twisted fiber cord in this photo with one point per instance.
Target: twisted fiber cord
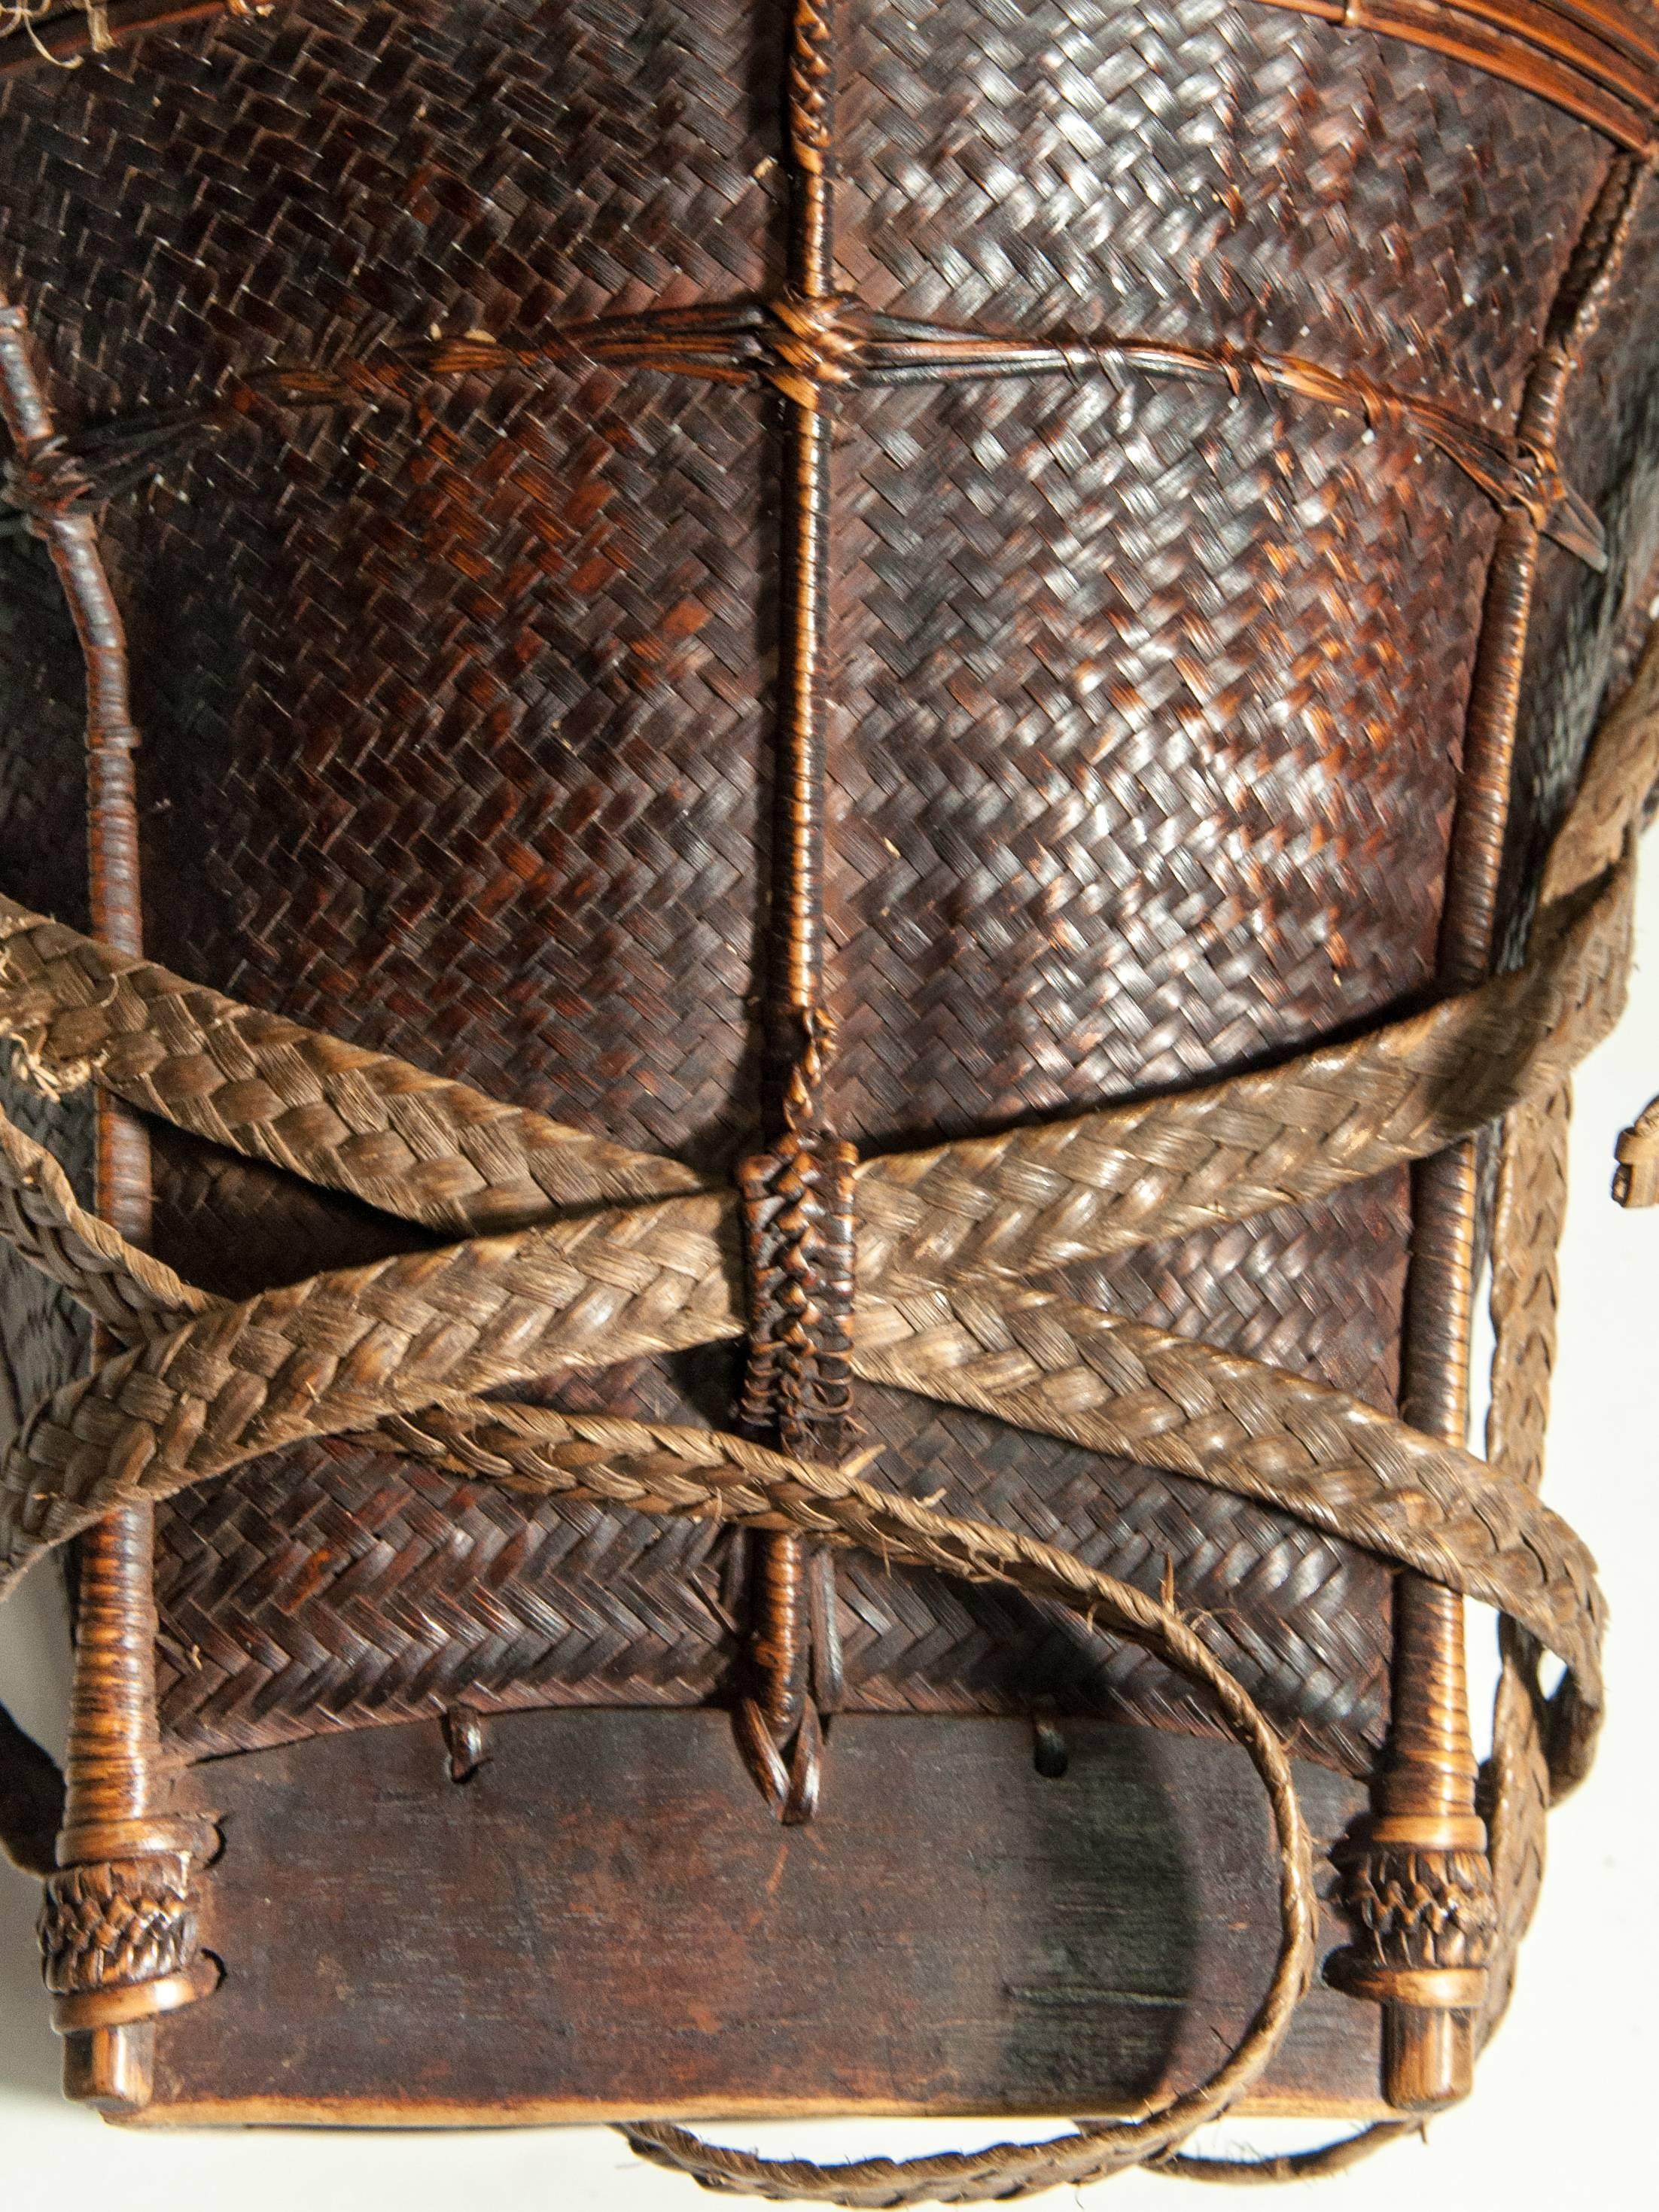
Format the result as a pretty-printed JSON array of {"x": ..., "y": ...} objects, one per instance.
[
  {"x": 659, "y": 1467},
  {"x": 657, "y": 1475},
  {"x": 1308, "y": 957},
  {"x": 1007, "y": 2169},
  {"x": 465, "y": 1339},
  {"x": 652, "y": 1470},
  {"x": 648, "y": 1466},
  {"x": 540, "y": 1449},
  {"x": 1518, "y": 1784},
  {"x": 1289, "y": 2166}
]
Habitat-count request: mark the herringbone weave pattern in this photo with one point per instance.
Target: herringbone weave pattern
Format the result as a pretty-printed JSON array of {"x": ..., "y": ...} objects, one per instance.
[{"x": 456, "y": 717}]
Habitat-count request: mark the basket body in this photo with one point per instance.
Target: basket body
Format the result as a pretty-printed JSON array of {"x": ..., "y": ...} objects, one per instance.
[{"x": 1150, "y": 685}]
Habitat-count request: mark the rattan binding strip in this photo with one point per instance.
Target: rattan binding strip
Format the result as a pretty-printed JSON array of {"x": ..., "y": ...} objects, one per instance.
[
  {"x": 1600, "y": 64},
  {"x": 830, "y": 344}
]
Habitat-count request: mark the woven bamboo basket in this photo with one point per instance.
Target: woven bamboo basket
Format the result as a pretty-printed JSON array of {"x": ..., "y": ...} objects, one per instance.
[{"x": 890, "y": 757}]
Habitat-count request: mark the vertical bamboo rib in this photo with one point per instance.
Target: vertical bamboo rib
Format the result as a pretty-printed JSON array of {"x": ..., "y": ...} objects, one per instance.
[
  {"x": 779, "y": 1731},
  {"x": 798, "y": 866},
  {"x": 1427, "y": 1834},
  {"x": 113, "y": 1742}
]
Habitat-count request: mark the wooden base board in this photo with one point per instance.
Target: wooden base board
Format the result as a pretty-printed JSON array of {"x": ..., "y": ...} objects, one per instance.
[{"x": 603, "y": 1922}]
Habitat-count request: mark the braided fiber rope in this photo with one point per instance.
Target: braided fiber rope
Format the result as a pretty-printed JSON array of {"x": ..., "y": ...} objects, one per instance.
[
  {"x": 45, "y": 1224},
  {"x": 398, "y": 1345},
  {"x": 416, "y": 1145},
  {"x": 1537, "y": 1751},
  {"x": 1533, "y": 1756},
  {"x": 1047, "y": 1364},
  {"x": 336, "y": 1353},
  {"x": 659, "y": 1467},
  {"x": 620, "y": 1281},
  {"x": 440, "y": 1154},
  {"x": 342, "y": 1352}
]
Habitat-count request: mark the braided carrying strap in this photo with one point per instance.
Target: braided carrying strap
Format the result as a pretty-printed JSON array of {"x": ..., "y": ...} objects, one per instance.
[
  {"x": 572, "y": 1278},
  {"x": 340, "y": 1353}
]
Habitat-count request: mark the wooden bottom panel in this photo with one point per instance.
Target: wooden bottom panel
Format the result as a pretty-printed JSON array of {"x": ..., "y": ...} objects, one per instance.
[{"x": 603, "y": 1922}]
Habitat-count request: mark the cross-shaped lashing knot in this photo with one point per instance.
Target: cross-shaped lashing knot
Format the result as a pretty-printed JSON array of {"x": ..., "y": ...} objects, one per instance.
[
  {"x": 818, "y": 346},
  {"x": 47, "y": 477}
]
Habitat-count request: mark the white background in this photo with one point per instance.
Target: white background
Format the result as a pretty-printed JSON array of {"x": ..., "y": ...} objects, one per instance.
[{"x": 1565, "y": 2099}]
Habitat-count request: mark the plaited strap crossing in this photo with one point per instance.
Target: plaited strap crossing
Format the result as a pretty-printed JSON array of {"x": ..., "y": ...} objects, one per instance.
[{"x": 400, "y": 1349}]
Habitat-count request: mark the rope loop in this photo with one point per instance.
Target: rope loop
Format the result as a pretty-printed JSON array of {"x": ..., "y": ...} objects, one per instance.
[{"x": 1097, "y": 2148}]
